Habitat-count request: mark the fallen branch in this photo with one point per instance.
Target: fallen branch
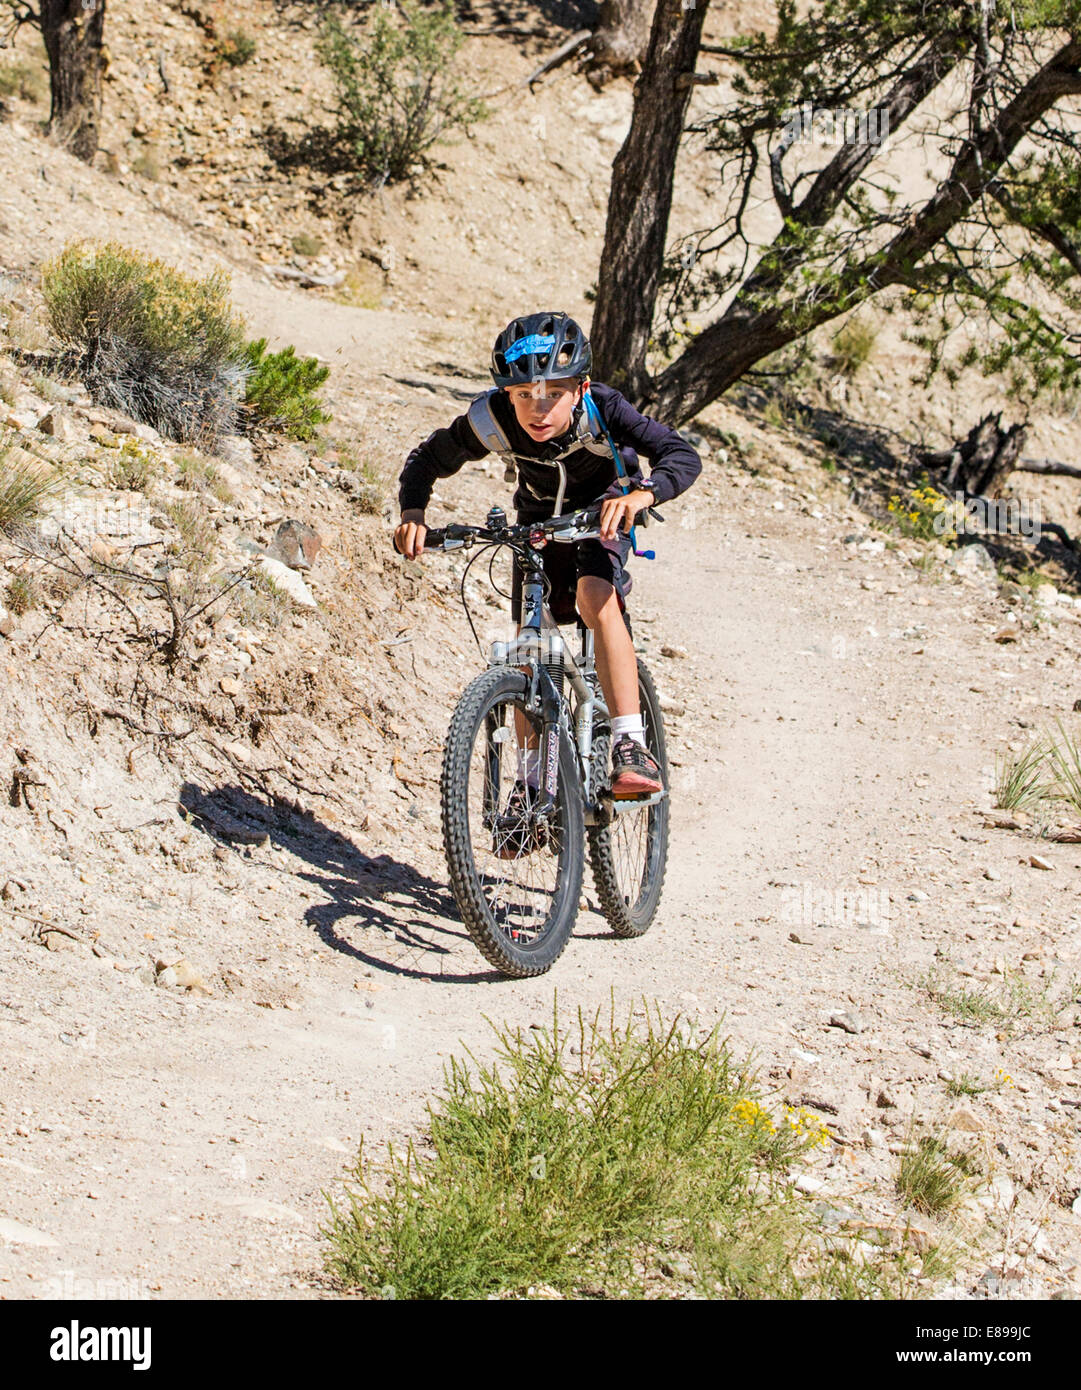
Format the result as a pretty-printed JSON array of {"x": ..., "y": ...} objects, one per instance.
[
  {"x": 1055, "y": 466},
  {"x": 1069, "y": 835},
  {"x": 696, "y": 79},
  {"x": 127, "y": 829},
  {"x": 140, "y": 728},
  {"x": 21, "y": 779},
  {"x": 46, "y": 925},
  {"x": 562, "y": 53}
]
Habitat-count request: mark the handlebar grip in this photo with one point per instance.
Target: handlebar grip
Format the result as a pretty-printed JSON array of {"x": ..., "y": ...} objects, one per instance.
[{"x": 433, "y": 538}]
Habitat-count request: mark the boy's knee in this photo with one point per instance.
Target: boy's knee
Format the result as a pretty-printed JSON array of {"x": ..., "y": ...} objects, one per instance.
[{"x": 595, "y": 595}]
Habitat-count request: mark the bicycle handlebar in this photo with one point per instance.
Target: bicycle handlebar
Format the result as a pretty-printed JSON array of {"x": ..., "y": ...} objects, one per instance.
[{"x": 573, "y": 526}]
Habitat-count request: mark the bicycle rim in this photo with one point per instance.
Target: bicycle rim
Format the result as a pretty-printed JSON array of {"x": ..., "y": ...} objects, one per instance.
[
  {"x": 629, "y": 855},
  {"x": 516, "y": 881}
]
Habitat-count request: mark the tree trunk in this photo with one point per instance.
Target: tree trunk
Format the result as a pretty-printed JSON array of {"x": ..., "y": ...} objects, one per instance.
[
  {"x": 73, "y": 32},
  {"x": 980, "y": 463},
  {"x": 621, "y": 39},
  {"x": 640, "y": 199}
]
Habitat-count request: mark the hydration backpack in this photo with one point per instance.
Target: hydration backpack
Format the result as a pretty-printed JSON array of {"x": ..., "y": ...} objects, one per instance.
[{"x": 588, "y": 434}]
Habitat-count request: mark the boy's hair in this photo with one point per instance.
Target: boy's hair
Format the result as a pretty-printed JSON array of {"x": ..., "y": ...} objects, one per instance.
[{"x": 540, "y": 347}]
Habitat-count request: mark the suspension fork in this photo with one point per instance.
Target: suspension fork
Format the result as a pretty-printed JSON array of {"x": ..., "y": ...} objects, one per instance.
[{"x": 543, "y": 694}]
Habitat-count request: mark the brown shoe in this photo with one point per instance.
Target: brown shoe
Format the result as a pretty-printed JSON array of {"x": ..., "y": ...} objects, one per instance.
[{"x": 635, "y": 771}]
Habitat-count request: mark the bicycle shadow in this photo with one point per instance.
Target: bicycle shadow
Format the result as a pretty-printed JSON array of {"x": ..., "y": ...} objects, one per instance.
[{"x": 418, "y": 936}]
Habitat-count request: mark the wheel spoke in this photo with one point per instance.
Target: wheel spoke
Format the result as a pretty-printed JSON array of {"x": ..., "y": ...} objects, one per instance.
[
  {"x": 520, "y": 889},
  {"x": 629, "y": 853}
]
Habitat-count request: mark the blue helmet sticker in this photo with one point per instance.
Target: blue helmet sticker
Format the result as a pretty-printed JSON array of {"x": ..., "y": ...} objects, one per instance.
[{"x": 534, "y": 343}]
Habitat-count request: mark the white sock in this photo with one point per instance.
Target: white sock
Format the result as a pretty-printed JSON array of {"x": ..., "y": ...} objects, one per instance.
[
  {"x": 529, "y": 767},
  {"x": 630, "y": 724}
]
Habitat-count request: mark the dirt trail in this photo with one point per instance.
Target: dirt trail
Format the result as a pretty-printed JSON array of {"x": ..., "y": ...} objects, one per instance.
[
  {"x": 843, "y": 711},
  {"x": 179, "y": 1148}
]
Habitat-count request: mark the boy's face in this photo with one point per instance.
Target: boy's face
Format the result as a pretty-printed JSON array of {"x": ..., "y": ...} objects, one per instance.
[{"x": 544, "y": 408}]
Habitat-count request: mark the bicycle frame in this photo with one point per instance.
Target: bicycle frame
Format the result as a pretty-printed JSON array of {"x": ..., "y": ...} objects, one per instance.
[
  {"x": 538, "y": 648},
  {"x": 540, "y": 652}
]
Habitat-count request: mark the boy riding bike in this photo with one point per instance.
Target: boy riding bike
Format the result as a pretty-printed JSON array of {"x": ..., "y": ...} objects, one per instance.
[{"x": 543, "y": 409}]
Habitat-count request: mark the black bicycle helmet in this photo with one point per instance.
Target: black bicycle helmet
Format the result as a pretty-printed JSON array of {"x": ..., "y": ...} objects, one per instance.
[{"x": 540, "y": 347}]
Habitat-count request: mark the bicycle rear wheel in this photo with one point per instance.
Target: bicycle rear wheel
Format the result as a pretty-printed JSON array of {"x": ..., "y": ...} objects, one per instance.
[
  {"x": 629, "y": 855},
  {"x": 516, "y": 882}
]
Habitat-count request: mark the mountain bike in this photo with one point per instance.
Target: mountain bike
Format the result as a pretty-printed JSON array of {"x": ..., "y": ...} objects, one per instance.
[{"x": 516, "y": 855}]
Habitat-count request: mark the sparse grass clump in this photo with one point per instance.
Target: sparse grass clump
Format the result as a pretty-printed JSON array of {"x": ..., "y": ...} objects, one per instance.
[
  {"x": 25, "y": 483},
  {"x": 282, "y": 390},
  {"x": 196, "y": 473},
  {"x": 933, "y": 1176},
  {"x": 773, "y": 413},
  {"x": 1031, "y": 580},
  {"x": 304, "y": 244},
  {"x": 618, "y": 1161},
  {"x": 236, "y": 48},
  {"x": 362, "y": 287},
  {"x": 197, "y": 539},
  {"x": 147, "y": 163},
  {"x": 49, "y": 389},
  {"x": 1021, "y": 779},
  {"x": 398, "y": 88},
  {"x": 1017, "y": 1004},
  {"x": 26, "y": 81},
  {"x": 1047, "y": 771},
  {"x": 133, "y": 468},
  {"x": 1065, "y": 760},
  {"x": 22, "y": 594},
  {"x": 966, "y": 1083},
  {"x": 160, "y": 345},
  {"x": 852, "y": 345},
  {"x": 367, "y": 488},
  {"x": 258, "y": 602}
]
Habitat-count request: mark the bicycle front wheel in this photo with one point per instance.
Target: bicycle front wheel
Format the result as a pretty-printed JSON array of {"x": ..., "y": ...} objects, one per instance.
[
  {"x": 629, "y": 855},
  {"x": 516, "y": 880}
]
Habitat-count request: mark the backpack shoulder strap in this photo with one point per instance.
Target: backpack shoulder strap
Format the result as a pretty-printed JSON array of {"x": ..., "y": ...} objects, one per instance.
[{"x": 490, "y": 432}]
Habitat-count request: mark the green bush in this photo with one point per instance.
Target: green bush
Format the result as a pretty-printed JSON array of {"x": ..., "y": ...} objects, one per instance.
[
  {"x": 597, "y": 1161},
  {"x": 162, "y": 346},
  {"x": 134, "y": 467},
  {"x": 398, "y": 92},
  {"x": 281, "y": 390}
]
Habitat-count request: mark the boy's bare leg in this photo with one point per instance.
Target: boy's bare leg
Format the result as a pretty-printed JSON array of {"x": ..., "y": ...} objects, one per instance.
[{"x": 617, "y": 665}]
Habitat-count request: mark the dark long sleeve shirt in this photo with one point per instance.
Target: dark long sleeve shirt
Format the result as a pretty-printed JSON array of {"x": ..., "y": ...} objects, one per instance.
[{"x": 674, "y": 465}]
